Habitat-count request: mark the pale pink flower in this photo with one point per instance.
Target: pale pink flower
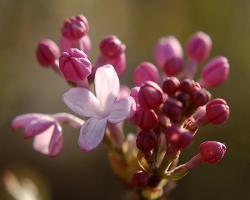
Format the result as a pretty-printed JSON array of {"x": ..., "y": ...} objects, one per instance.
[
  {"x": 46, "y": 130},
  {"x": 105, "y": 107}
]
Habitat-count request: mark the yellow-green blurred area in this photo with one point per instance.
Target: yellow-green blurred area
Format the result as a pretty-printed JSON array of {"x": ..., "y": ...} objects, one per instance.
[{"x": 26, "y": 87}]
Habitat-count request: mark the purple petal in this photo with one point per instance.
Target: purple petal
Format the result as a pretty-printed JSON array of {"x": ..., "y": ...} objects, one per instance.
[
  {"x": 38, "y": 126},
  {"x": 107, "y": 86},
  {"x": 23, "y": 120},
  {"x": 120, "y": 110},
  {"x": 56, "y": 142},
  {"x": 92, "y": 133},
  {"x": 82, "y": 102}
]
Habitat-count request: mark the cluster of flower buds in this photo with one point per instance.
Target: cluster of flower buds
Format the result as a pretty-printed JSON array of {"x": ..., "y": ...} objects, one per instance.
[
  {"x": 170, "y": 111},
  {"x": 167, "y": 105}
]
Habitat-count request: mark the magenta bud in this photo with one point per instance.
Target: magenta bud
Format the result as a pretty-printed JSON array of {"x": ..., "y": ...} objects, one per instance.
[
  {"x": 140, "y": 179},
  {"x": 47, "y": 52},
  {"x": 74, "y": 28},
  {"x": 111, "y": 46},
  {"x": 217, "y": 111},
  {"x": 173, "y": 108},
  {"x": 212, "y": 151},
  {"x": 145, "y": 119},
  {"x": 150, "y": 95},
  {"x": 146, "y": 141},
  {"x": 179, "y": 138},
  {"x": 146, "y": 71},
  {"x": 134, "y": 93},
  {"x": 119, "y": 63},
  {"x": 200, "y": 97},
  {"x": 189, "y": 86},
  {"x": 199, "y": 46},
  {"x": 173, "y": 66},
  {"x": 215, "y": 72},
  {"x": 170, "y": 85},
  {"x": 167, "y": 48},
  {"x": 74, "y": 65}
]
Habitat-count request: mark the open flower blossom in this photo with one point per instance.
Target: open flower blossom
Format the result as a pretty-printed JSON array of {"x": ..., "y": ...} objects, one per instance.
[
  {"x": 101, "y": 109},
  {"x": 46, "y": 130}
]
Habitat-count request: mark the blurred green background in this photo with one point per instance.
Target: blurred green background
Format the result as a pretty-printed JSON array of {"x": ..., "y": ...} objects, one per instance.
[{"x": 25, "y": 87}]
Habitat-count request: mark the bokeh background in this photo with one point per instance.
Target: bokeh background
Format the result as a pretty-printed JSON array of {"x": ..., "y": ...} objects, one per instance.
[{"x": 25, "y": 87}]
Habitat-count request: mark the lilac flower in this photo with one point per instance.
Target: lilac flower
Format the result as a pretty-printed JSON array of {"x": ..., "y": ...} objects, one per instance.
[
  {"x": 46, "y": 130},
  {"x": 101, "y": 109}
]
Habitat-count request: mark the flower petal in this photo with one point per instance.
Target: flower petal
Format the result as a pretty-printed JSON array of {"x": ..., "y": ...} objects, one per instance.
[
  {"x": 38, "y": 126},
  {"x": 92, "y": 133},
  {"x": 56, "y": 142},
  {"x": 23, "y": 120},
  {"x": 82, "y": 102},
  {"x": 50, "y": 142},
  {"x": 120, "y": 110},
  {"x": 107, "y": 86}
]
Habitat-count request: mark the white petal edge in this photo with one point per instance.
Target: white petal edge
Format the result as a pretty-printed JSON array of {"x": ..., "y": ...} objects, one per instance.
[
  {"x": 92, "y": 133},
  {"x": 107, "y": 86},
  {"x": 23, "y": 120},
  {"x": 82, "y": 101}
]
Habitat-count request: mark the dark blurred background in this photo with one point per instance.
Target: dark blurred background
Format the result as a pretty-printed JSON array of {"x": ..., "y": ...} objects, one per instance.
[{"x": 25, "y": 87}]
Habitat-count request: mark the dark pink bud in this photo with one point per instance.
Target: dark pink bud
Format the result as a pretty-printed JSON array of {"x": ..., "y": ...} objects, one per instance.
[
  {"x": 140, "y": 179},
  {"x": 74, "y": 65},
  {"x": 170, "y": 85},
  {"x": 179, "y": 138},
  {"x": 75, "y": 27},
  {"x": 199, "y": 46},
  {"x": 173, "y": 66},
  {"x": 145, "y": 72},
  {"x": 111, "y": 46},
  {"x": 200, "y": 97},
  {"x": 150, "y": 96},
  {"x": 145, "y": 119},
  {"x": 166, "y": 49},
  {"x": 47, "y": 52},
  {"x": 215, "y": 72},
  {"x": 134, "y": 93},
  {"x": 189, "y": 86},
  {"x": 212, "y": 151},
  {"x": 183, "y": 97},
  {"x": 146, "y": 141},
  {"x": 217, "y": 111},
  {"x": 173, "y": 108}
]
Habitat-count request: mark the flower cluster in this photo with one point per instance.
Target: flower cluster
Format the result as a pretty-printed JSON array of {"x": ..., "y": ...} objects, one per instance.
[{"x": 166, "y": 105}]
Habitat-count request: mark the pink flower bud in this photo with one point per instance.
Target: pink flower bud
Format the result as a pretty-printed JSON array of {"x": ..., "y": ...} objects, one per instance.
[
  {"x": 170, "y": 85},
  {"x": 145, "y": 72},
  {"x": 199, "y": 46},
  {"x": 83, "y": 44},
  {"x": 145, "y": 119},
  {"x": 47, "y": 52},
  {"x": 75, "y": 27},
  {"x": 212, "y": 151},
  {"x": 189, "y": 86},
  {"x": 150, "y": 95},
  {"x": 178, "y": 138},
  {"x": 140, "y": 179},
  {"x": 111, "y": 46},
  {"x": 146, "y": 141},
  {"x": 75, "y": 65},
  {"x": 173, "y": 66},
  {"x": 200, "y": 97},
  {"x": 166, "y": 49},
  {"x": 119, "y": 63},
  {"x": 134, "y": 93},
  {"x": 173, "y": 108},
  {"x": 217, "y": 111},
  {"x": 215, "y": 72}
]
